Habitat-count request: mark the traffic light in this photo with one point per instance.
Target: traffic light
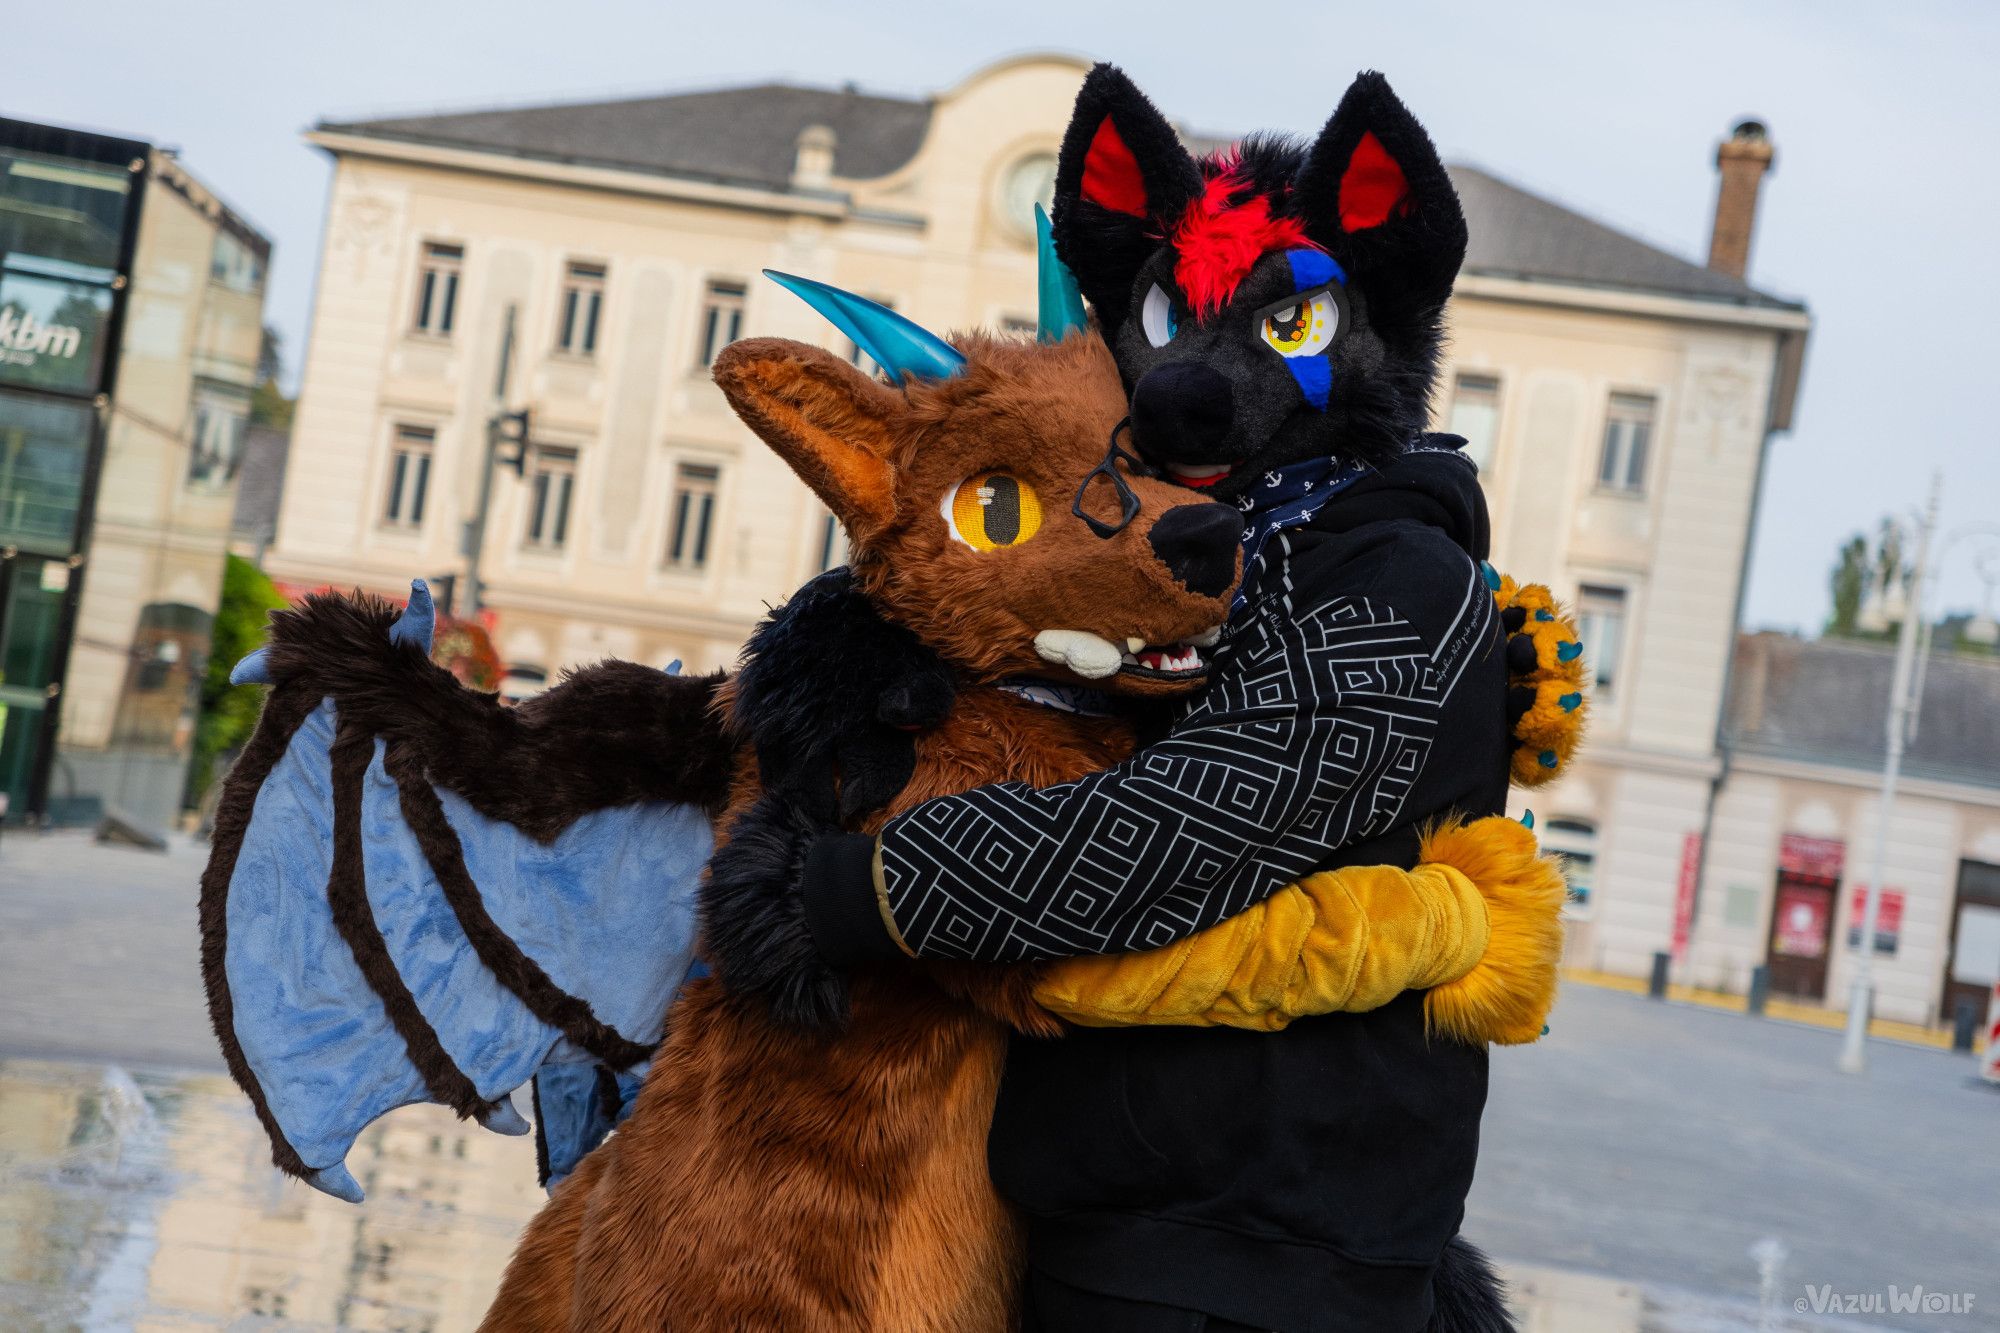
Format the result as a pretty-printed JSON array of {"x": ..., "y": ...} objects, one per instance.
[{"x": 508, "y": 435}]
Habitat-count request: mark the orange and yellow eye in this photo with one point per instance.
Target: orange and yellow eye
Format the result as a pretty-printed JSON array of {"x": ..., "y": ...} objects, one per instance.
[
  {"x": 1304, "y": 328},
  {"x": 991, "y": 510}
]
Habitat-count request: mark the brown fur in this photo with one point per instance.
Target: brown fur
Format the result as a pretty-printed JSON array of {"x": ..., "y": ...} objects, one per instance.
[{"x": 771, "y": 1178}]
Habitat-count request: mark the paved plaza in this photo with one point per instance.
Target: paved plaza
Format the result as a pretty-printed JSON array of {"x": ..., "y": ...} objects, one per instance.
[{"x": 1635, "y": 1161}]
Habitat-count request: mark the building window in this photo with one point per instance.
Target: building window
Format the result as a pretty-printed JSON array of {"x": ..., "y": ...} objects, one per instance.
[
  {"x": 551, "y": 486},
  {"x": 582, "y": 304},
  {"x": 215, "y": 445},
  {"x": 693, "y": 515},
  {"x": 437, "y": 288},
  {"x": 832, "y": 543},
  {"x": 409, "y": 476},
  {"x": 721, "y": 318},
  {"x": 1600, "y": 624},
  {"x": 234, "y": 264},
  {"x": 1628, "y": 432},
  {"x": 1575, "y": 840},
  {"x": 1475, "y": 415}
]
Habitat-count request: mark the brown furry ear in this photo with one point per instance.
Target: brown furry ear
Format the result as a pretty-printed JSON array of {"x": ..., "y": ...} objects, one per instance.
[{"x": 822, "y": 416}]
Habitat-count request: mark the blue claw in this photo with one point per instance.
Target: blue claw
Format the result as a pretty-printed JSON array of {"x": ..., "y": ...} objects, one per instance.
[
  {"x": 1527, "y": 819},
  {"x": 1545, "y": 616},
  {"x": 502, "y": 1118},
  {"x": 1571, "y": 702},
  {"x": 1491, "y": 575},
  {"x": 252, "y": 670},
  {"x": 1547, "y": 759},
  {"x": 674, "y": 667},
  {"x": 338, "y": 1181},
  {"x": 418, "y": 623},
  {"x": 1569, "y": 652}
]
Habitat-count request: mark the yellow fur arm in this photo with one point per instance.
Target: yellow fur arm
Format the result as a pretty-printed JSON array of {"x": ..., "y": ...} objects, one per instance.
[{"x": 1478, "y": 925}]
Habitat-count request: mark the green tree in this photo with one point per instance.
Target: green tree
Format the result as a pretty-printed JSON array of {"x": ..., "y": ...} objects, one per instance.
[
  {"x": 268, "y": 404},
  {"x": 229, "y": 712},
  {"x": 1850, "y": 584}
]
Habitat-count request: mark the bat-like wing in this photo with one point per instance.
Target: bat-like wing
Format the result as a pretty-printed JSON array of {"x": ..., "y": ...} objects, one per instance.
[{"x": 416, "y": 893}]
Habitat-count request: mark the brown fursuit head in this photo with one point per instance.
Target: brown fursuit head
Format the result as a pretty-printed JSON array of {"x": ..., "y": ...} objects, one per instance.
[{"x": 774, "y": 1178}]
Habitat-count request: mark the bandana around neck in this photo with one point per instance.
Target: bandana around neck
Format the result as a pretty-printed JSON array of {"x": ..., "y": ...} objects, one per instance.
[{"x": 1288, "y": 497}]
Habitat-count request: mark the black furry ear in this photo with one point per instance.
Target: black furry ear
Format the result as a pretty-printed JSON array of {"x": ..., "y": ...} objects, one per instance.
[
  {"x": 1373, "y": 191},
  {"x": 1122, "y": 179}
]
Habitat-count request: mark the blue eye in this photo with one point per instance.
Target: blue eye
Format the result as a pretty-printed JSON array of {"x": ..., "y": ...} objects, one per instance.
[{"x": 1157, "y": 317}]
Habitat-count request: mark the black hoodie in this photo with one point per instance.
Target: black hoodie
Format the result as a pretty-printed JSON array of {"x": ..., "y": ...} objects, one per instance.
[{"x": 1307, "y": 1179}]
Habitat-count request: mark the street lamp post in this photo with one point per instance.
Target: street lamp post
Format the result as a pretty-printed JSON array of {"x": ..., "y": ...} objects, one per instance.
[
  {"x": 503, "y": 428},
  {"x": 1902, "y": 702}
]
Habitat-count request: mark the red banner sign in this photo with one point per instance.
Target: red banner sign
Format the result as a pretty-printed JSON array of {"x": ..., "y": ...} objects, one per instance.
[
  {"x": 1888, "y": 923},
  {"x": 1811, "y": 858},
  {"x": 1684, "y": 893}
]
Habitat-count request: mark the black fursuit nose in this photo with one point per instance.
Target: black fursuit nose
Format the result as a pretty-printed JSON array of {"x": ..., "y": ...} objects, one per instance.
[
  {"x": 1198, "y": 543},
  {"x": 1182, "y": 412}
]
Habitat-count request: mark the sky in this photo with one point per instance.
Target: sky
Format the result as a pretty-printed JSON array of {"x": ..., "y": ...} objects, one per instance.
[{"x": 1880, "y": 214}]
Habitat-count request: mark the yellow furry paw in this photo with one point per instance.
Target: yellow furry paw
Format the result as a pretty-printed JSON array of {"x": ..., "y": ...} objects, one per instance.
[
  {"x": 1546, "y": 697},
  {"x": 1505, "y": 999}
]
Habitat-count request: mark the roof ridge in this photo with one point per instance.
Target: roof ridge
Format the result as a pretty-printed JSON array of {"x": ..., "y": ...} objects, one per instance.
[{"x": 447, "y": 112}]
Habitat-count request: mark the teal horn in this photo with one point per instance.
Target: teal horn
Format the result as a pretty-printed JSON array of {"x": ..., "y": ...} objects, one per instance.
[
  {"x": 1062, "y": 300},
  {"x": 906, "y": 350}
]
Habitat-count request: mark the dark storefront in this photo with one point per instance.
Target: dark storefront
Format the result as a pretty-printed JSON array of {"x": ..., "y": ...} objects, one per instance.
[{"x": 69, "y": 208}]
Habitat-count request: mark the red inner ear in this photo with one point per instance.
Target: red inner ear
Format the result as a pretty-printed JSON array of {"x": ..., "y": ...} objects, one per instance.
[
  {"x": 1372, "y": 187},
  {"x": 1111, "y": 176}
]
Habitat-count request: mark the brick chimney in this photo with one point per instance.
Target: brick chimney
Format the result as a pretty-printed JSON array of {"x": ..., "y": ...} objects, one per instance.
[{"x": 1742, "y": 159}]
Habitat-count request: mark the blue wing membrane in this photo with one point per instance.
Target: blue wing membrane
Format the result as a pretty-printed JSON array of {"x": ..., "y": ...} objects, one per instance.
[{"x": 361, "y": 973}]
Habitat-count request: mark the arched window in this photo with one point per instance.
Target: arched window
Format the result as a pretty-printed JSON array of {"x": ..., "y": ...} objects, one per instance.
[{"x": 1575, "y": 840}]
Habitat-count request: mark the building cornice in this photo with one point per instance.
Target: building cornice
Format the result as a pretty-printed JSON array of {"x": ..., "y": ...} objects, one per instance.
[
  {"x": 1620, "y": 301},
  {"x": 652, "y": 615},
  {"x": 682, "y": 189},
  {"x": 1633, "y": 757},
  {"x": 1936, "y": 789},
  {"x": 501, "y": 597}
]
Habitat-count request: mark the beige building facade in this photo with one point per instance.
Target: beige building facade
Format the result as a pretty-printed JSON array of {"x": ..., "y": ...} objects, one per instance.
[
  {"x": 1618, "y": 399},
  {"x": 648, "y": 524}
]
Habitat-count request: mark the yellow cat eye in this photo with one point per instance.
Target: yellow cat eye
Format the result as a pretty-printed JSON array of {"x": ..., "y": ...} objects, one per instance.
[
  {"x": 991, "y": 510},
  {"x": 1303, "y": 328}
]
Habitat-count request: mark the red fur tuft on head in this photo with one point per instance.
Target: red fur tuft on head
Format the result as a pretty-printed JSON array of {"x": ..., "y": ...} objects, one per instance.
[{"x": 1220, "y": 239}]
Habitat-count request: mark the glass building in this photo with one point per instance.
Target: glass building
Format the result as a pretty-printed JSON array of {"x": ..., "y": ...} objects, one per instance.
[{"x": 131, "y": 307}]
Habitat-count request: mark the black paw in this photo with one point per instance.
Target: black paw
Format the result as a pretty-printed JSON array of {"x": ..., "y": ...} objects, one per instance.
[{"x": 754, "y": 918}]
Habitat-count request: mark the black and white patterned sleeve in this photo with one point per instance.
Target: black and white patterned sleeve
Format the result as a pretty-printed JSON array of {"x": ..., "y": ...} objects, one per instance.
[{"x": 1310, "y": 739}]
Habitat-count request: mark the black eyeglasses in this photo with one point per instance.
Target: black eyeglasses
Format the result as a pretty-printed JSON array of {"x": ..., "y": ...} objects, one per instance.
[{"x": 1128, "y": 503}]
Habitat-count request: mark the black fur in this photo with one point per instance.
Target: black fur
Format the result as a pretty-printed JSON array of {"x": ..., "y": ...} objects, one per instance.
[
  {"x": 753, "y": 917},
  {"x": 829, "y": 694},
  {"x": 1102, "y": 247},
  {"x": 1467, "y": 1296},
  {"x": 1399, "y": 274}
]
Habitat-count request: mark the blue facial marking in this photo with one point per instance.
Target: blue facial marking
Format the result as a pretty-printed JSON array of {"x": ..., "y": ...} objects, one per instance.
[
  {"x": 1315, "y": 377},
  {"x": 1313, "y": 268}
]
